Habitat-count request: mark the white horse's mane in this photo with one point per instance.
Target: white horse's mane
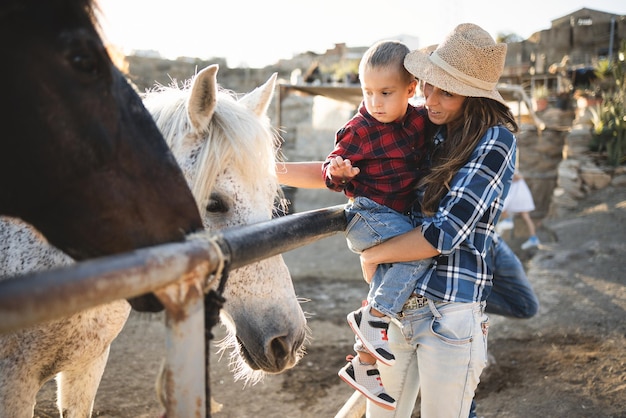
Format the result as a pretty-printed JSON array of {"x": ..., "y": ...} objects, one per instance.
[{"x": 239, "y": 139}]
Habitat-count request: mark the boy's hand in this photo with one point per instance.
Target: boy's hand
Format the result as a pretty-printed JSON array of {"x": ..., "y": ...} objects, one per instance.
[{"x": 341, "y": 171}]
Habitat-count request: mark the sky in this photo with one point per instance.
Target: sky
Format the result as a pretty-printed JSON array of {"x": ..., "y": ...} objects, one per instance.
[{"x": 256, "y": 33}]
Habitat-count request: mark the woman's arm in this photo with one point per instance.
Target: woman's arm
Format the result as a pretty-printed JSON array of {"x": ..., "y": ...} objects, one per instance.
[
  {"x": 309, "y": 175},
  {"x": 410, "y": 246},
  {"x": 304, "y": 174}
]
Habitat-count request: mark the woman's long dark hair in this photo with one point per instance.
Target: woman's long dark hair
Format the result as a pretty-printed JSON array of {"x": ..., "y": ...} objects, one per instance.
[{"x": 463, "y": 134}]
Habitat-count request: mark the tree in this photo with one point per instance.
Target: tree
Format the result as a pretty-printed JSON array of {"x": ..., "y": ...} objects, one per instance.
[
  {"x": 609, "y": 118},
  {"x": 508, "y": 38}
]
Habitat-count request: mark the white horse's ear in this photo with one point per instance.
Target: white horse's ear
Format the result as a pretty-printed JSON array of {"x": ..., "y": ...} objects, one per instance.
[
  {"x": 258, "y": 100},
  {"x": 203, "y": 98}
]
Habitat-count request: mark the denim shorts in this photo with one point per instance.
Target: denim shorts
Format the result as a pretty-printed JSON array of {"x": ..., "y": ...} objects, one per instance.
[{"x": 370, "y": 223}]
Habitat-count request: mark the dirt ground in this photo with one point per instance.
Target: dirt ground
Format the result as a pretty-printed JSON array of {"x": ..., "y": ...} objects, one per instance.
[{"x": 568, "y": 361}]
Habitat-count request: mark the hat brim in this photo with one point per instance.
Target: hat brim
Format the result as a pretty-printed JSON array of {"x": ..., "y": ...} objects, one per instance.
[{"x": 419, "y": 64}]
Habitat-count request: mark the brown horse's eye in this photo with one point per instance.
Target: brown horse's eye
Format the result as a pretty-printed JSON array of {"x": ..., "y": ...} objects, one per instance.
[
  {"x": 85, "y": 63},
  {"x": 84, "y": 54}
]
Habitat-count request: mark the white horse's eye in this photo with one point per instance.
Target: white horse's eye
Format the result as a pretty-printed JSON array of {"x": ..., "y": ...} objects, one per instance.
[{"x": 216, "y": 205}]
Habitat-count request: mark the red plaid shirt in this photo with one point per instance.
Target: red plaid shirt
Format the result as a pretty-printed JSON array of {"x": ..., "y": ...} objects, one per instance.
[{"x": 391, "y": 157}]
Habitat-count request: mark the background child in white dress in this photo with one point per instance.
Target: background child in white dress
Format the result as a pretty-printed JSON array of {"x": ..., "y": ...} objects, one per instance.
[{"x": 519, "y": 201}]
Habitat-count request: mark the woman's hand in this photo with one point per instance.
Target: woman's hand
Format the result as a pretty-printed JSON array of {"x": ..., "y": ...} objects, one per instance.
[{"x": 368, "y": 270}]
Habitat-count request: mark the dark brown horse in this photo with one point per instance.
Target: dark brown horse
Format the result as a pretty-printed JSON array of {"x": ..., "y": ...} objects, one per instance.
[{"x": 80, "y": 157}]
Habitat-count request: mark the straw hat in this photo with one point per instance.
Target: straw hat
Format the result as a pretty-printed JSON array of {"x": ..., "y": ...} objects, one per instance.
[{"x": 468, "y": 62}]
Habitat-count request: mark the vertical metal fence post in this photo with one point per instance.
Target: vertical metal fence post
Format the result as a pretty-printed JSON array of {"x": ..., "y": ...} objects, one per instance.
[
  {"x": 184, "y": 379},
  {"x": 185, "y": 361}
]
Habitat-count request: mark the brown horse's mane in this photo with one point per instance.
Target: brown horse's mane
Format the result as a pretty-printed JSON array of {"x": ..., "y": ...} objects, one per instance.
[
  {"x": 89, "y": 8},
  {"x": 8, "y": 5}
]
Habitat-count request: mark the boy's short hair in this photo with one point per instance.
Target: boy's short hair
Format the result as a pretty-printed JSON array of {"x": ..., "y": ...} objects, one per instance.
[{"x": 386, "y": 54}]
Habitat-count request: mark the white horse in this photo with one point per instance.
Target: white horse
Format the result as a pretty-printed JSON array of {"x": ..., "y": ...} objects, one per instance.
[{"x": 226, "y": 149}]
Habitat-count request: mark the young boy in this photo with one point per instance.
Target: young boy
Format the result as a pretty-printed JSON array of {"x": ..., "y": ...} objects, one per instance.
[{"x": 376, "y": 163}]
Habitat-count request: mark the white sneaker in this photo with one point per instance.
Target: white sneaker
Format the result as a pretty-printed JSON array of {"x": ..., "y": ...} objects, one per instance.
[
  {"x": 372, "y": 331},
  {"x": 366, "y": 379}
]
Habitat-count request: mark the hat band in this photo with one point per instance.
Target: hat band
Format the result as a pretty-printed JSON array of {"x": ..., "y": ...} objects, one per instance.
[{"x": 474, "y": 82}]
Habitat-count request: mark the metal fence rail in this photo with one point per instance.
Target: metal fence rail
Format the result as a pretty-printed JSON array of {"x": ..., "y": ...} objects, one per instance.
[{"x": 174, "y": 272}]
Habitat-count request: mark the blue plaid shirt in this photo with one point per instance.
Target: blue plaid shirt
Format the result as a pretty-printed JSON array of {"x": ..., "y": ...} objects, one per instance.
[{"x": 464, "y": 225}]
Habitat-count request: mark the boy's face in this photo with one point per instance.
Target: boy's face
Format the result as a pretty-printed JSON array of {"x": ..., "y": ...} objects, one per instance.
[{"x": 386, "y": 93}]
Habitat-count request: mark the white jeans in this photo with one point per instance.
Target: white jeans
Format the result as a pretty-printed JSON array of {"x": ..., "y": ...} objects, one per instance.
[{"x": 440, "y": 350}]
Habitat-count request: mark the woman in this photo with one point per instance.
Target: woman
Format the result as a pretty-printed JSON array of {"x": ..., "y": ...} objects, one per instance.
[{"x": 440, "y": 341}]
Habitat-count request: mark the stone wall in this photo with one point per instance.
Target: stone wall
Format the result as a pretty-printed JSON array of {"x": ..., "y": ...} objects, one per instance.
[
  {"x": 539, "y": 155},
  {"x": 145, "y": 72},
  {"x": 581, "y": 171}
]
